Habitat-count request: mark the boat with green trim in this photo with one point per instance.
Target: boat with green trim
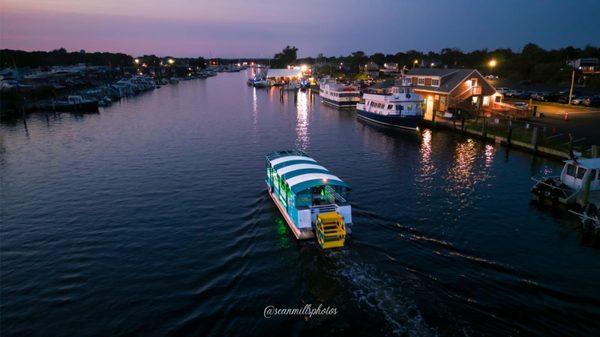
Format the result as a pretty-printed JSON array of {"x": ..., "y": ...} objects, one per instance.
[{"x": 311, "y": 199}]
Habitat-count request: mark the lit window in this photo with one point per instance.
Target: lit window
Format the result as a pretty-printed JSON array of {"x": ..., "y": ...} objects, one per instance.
[{"x": 435, "y": 83}]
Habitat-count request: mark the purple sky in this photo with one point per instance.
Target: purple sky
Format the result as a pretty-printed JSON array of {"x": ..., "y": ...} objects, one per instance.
[{"x": 238, "y": 28}]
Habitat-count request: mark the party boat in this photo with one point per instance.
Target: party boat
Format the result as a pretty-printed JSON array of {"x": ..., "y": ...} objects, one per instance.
[{"x": 311, "y": 199}]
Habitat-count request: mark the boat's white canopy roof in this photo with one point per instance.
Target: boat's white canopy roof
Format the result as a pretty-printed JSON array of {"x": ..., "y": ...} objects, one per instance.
[
  {"x": 296, "y": 167},
  {"x": 325, "y": 177},
  {"x": 289, "y": 158},
  {"x": 590, "y": 163},
  {"x": 300, "y": 172},
  {"x": 271, "y": 73}
]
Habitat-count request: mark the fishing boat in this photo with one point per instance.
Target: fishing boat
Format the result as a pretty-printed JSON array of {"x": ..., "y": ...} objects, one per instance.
[
  {"x": 76, "y": 103},
  {"x": 578, "y": 183},
  {"x": 311, "y": 199},
  {"x": 338, "y": 95},
  {"x": 398, "y": 107}
]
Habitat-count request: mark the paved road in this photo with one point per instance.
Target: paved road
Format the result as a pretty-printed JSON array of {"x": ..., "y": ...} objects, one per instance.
[{"x": 583, "y": 122}]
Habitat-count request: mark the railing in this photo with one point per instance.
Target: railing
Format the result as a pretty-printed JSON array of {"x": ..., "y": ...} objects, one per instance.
[{"x": 317, "y": 209}]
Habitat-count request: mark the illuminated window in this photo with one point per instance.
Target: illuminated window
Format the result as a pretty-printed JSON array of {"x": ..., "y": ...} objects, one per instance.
[{"x": 435, "y": 82}]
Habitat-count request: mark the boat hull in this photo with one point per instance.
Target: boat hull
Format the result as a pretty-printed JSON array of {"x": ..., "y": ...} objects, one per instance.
[
  {"x": 339, "y": 104},
  {"x": 299, "y": 233},
  {"x": 406, "y": 122},
  {"x": 77, "y": 107}
]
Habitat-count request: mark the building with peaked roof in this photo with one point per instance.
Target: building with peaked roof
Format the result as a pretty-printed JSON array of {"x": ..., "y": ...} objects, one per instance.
[
  {"x": 445, "y": 90},
  {"x": 371, "y": 69}
]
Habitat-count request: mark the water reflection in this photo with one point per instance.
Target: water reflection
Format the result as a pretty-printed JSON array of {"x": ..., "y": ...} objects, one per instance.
[
  {"x": 302, "y": 138},
  {"x": 254, "y": 107},
  {"x": 490, "y": 151},
  {"x": 427, "y": 169}
]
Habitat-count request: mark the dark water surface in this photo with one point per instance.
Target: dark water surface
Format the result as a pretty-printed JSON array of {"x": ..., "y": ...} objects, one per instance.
[{"x": 151, "y": 218}]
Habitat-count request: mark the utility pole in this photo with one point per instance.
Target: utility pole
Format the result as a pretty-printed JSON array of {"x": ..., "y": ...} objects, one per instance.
[{"x": 572, "y": 85}]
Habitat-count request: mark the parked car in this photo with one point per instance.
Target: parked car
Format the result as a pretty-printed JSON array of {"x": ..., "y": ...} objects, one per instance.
[
  {"x": 579, "y": 100},
  {"x": 545, "y": 96},
  {"x": 503, "y": 90},
  {"x": 564, "y": 98},
  {"x": 524, "y": 95},
  {"x": 592, "y": 101},
  {"x": 521, "y": 105}
]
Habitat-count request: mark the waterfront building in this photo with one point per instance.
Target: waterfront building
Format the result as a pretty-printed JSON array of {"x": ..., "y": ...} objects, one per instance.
[
  {"x": 446, "y": 90},
  {"x": 371, "y": 69}
]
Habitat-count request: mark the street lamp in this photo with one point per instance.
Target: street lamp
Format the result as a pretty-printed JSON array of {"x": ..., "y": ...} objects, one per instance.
[
  {"x": 415, "y": 62},
  {"x": 137, "y": 61},
  {"x": 492, "y": 64},
  {"x": 171, "y": 61}
]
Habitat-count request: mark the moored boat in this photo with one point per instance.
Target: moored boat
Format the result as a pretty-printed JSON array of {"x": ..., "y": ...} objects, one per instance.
[
  {"x": 310, "y": 198},
  {"x": 578, "y": 183},
  {"x": 338, "y": 95},
  {"x": 398, "y": 107},
  {"x": 76, "y": 103}
]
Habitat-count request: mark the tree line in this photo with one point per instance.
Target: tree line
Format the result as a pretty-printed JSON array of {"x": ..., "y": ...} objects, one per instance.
[
  {"x": 61, "y": 57},
  {"x": 532, "y": 64}
]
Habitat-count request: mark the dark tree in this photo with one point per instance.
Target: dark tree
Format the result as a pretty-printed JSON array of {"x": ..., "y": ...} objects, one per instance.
[{"x": 285, "y": 58}]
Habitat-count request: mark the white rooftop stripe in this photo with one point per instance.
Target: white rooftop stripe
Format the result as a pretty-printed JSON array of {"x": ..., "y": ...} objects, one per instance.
[
  {"x": 310, "y": 176},
  {"x": 295, "y": 167},
  {"x": 288, "y": 158}
]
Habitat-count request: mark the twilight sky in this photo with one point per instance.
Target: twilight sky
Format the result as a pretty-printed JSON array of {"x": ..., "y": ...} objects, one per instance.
[{"x": 237, "y": 28}]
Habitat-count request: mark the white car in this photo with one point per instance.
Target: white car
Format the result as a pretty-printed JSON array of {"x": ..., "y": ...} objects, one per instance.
[{"x": 521, "y": 105}]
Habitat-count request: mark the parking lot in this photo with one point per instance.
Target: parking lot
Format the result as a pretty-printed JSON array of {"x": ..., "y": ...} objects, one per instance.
[{"x": 583, "y": 122}]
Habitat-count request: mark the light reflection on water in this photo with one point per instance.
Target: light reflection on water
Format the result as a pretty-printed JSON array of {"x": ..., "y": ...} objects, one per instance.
[
  {"x": 302, "y": 135},
  {"x": 427, "y": 168}
]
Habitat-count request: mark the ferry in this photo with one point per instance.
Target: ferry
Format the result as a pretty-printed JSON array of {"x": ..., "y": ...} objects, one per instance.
[
  {"x": 398, "y": 107},
  {"x": 578, "y": 183},
  {"x": 338, "y": 95},
  {"x": 311, "y": 199}
]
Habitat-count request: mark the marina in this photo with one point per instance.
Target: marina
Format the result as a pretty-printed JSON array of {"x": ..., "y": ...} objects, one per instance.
[{"x": 153, "y": 217}]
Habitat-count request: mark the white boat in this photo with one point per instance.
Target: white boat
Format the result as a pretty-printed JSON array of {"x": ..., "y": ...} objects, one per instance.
[
  {"x": 398, "y": 107},
  {"x": 578, "y": 183},
  {"x": 338, "y": 95},
  {"x": 310, "y": 198}
]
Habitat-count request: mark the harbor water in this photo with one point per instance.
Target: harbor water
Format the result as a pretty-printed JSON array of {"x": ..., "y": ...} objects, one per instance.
[{"x": 152, "y": 218}]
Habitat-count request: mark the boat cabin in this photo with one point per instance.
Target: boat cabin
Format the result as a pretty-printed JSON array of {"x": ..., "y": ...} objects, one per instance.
[
  {"x": 303, "y": 189},
  {"x": 575, "y": 174}
]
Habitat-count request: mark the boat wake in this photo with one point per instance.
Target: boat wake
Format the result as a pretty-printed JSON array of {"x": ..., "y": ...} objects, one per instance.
[{"x": 378, "y": 292}]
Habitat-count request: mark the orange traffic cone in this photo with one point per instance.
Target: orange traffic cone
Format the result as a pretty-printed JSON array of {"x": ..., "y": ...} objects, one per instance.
[{"x": 566, "y": 116}]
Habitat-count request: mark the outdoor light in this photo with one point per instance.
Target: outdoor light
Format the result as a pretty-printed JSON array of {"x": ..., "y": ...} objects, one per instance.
[
  {"x": 304, "y": 67},
  {"x": 416, "y": 61},
  {"x": 171, "y": 61},
  {"x": 492, "y": 63},
  {"x": 137, "y": 61}
]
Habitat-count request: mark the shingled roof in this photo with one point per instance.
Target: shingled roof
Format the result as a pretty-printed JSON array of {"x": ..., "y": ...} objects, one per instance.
[{"x": 450, "y": 78}]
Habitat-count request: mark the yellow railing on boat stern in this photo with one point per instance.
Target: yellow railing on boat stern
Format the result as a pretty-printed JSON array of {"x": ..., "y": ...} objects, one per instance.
[{"x": 331, "y": 230}]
